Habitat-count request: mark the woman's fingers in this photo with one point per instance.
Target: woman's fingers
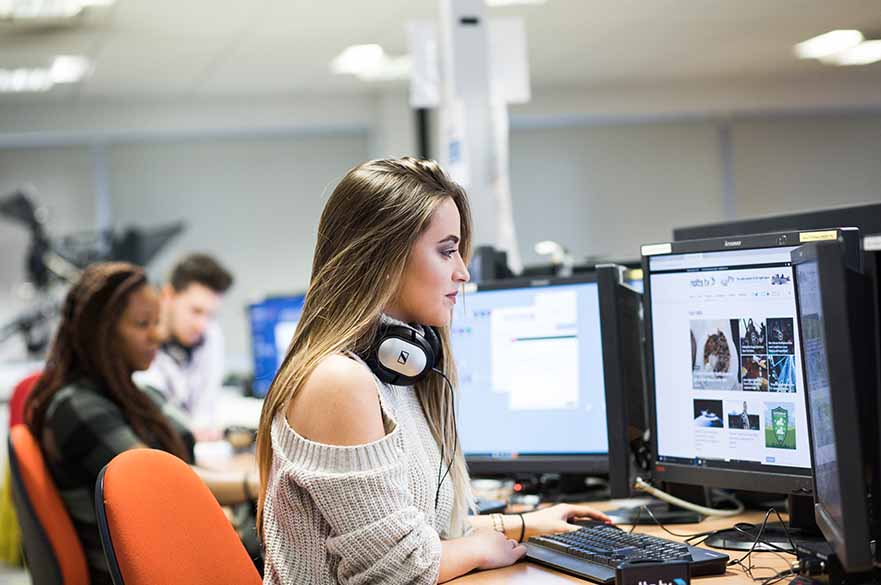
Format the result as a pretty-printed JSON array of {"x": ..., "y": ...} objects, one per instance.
[{"x": 581, "y": 511}]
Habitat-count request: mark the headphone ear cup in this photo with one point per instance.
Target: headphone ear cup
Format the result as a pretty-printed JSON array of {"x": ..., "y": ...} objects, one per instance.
[
  {"x": 371, "y": 358},
  {"x": 432, "y": 339},
  {"x": 401, "y": 355}
]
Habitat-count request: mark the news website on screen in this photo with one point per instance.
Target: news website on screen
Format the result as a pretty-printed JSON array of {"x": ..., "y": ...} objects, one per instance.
[{"x": 726, "y": 359}]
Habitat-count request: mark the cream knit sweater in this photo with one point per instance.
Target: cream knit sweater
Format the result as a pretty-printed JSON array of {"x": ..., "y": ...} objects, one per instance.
[{"x": 360, "y": 514}]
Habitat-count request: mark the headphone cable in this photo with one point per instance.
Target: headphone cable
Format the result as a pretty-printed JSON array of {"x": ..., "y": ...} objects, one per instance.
[{"x": 452, "y": 403}]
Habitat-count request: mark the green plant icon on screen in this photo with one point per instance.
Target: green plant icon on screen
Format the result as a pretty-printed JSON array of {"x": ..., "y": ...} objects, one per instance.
[{"x": 780, "y": 424}]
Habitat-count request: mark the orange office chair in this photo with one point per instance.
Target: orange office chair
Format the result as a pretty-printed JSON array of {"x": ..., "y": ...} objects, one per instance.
[
  {"x": 19, "y": 397},
  {"x": 159, "y": 523},
  {"x": 10, "y": 531},
  {"x": 51, "y": 546}
]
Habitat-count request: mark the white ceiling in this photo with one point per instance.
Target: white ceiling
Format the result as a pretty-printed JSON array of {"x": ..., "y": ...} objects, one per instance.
[{"x": 173, "y": 49}]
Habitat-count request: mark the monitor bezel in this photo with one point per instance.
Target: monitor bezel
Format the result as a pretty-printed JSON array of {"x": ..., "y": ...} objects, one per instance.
[
  {"x": 621, "y": 413},
  {"x": 788, "y": 480},
  {"x": 565, "y": 463},
  {"x": 834, "y": 299}
]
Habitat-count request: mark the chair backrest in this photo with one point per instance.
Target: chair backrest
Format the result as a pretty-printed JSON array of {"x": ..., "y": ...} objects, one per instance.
[
  {"x": 52, "y": 548},
  {"x": 159, "y": 523},
  {"x": 19, "y": 396}
]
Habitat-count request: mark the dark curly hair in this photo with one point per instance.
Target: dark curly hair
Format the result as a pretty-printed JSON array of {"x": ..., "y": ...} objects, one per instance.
[{"x": 86, "y": 347}]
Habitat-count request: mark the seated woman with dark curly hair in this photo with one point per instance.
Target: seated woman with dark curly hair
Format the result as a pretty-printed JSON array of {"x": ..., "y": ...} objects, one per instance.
[{"x": 85, "y": 409}]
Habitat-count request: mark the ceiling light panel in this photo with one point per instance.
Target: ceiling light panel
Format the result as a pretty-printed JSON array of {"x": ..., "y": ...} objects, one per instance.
[
  {"x": 828, "y": 44},
  {"x": 863, "y": 54}
]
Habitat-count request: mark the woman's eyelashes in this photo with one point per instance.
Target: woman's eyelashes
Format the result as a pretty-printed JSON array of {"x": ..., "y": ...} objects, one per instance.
[
  {"x": 449, "y": 252},
  {"x": 145, "y": 323}
]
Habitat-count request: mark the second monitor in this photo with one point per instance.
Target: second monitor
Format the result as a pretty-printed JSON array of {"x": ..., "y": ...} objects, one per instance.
[
  {"x": 727, "y": 398},
  {"x": 531, "y": 378}
]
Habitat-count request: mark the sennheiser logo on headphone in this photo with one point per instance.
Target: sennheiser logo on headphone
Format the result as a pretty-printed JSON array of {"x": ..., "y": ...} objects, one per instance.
[{"x": 402, "y": 359}]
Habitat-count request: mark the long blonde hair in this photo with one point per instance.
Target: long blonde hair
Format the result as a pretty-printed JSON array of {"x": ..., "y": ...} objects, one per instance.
[{"x": 366, "y": 233}]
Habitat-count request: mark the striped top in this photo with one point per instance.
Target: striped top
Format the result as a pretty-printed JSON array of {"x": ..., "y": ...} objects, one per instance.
[{"x": 83, "y": 431}]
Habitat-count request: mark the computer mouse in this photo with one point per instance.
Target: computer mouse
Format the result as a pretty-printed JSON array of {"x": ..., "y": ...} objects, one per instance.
[{"x": 589, "y": 522}]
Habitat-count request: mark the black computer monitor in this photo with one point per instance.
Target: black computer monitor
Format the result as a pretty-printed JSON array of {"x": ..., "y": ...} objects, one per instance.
[
  {"x": 530, "y": 362},
  {"x": 726, "y": 399},
  {"x": 865, "y": 217},
  {"x": 839, "y": 371},
  {"x": 489, "y": 263},
  {"x": 273, "y": 322},
  {"x": 621, "y": 325}
]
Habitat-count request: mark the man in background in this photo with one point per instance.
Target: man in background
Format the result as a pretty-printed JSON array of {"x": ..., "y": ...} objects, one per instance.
[{"x": 189, "y": 367}]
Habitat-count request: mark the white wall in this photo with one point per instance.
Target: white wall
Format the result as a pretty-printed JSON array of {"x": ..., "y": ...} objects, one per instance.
[
  {"x": 794, "y": 164},
  {"x": 254, "y": 203},
  {"x": 604, "y": 190}
]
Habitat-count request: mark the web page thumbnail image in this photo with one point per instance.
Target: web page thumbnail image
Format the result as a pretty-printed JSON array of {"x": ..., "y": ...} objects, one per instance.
[
  {"x": 714, "y": 354},
  {"x": 708, "y": 414},
  {"x": 741, "y": 416},
  {"x": 752, "y": 354},
  {"x": 780, "y": 425}
]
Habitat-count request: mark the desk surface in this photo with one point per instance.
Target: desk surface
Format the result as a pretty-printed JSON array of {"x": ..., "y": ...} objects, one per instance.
[{"x": 529, "y": 573}]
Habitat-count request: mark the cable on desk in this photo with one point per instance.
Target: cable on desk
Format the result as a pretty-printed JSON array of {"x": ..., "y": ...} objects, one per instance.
[
  {"x": 745, "y": 529},
  {"x": 664, "y": 528},
  {"x": 642, "y": 485},
  {"x": 748, "y": 568},
  {"x": 776, "y": 578},
  {"x": 791, "y": 551}
]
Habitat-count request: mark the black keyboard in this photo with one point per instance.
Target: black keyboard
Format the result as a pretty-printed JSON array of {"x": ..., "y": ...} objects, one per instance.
[{"x": 593, "y": 553}]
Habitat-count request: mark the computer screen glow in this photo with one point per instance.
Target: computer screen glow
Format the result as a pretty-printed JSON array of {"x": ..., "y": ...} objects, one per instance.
[{"x": 530, "y": 371}]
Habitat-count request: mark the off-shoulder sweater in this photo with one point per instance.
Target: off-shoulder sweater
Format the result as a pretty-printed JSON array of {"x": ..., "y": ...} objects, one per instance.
[{"x": 357, "y": 514}]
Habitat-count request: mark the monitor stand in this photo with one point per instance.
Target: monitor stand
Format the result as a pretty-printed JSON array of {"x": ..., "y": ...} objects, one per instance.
[
  {"x": 662, "y": 512},
  {"x": 802, "y": 529}
]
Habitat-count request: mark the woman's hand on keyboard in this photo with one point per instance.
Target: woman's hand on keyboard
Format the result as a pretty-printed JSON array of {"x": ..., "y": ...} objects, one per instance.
[
  {"x": 556, "y": 519},
  {"x": 494, "y": 550}
]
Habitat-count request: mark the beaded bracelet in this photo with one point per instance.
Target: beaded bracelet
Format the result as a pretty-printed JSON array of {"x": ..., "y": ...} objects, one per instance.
[{"x": 500, "y": 525}]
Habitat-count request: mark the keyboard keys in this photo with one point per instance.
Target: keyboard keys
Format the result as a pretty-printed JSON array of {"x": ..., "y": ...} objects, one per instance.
[
  {"x": 609, "y": 546},
  {"x": 595, "y": 552}
]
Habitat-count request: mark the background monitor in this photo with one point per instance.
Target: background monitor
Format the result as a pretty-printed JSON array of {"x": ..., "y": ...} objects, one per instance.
[
  {"x": 840, "y": 384},
  {"x": 866, "y": 218},
  {"x": 531, "y": 381},
  {"x": 489, "y": 263},
  {"x": 273, "y": 322}
]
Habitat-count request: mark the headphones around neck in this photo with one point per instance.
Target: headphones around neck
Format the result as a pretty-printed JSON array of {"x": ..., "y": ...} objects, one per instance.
[{"x": 403, "y": 356}]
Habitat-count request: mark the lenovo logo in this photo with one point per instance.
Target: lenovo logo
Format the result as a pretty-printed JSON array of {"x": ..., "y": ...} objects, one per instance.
[{"x": 733, "y": 243}]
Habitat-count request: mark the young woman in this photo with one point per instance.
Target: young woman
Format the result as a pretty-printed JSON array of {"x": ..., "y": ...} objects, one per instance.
[
  {"x": 85, "y": 409},
  {"x": 353, "y": 489}
]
